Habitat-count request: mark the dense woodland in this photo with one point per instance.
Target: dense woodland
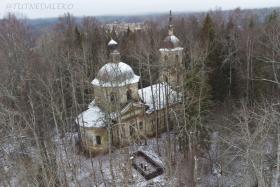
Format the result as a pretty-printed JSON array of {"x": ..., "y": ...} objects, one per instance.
[{"x": 231, "y": 92}]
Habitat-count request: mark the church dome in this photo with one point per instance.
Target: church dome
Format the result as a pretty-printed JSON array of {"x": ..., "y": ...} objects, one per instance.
[
  {"x": 114, "y": 75},
  {"x": 171, "y": 41},
  {"x": 112, "y": 45}
]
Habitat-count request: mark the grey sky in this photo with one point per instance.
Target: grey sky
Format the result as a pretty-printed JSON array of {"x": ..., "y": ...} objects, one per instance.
[{"x": 54, "y": 8}]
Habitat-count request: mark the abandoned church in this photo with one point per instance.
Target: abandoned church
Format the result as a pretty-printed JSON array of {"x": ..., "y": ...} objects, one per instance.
[{"x": 121, "y": 111}]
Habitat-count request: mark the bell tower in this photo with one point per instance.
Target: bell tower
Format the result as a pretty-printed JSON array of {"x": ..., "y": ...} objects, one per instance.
[{"x": 171, "y": 59}]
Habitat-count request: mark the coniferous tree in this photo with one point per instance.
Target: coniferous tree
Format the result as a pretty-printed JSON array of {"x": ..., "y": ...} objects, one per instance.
[{"x": 217, "y": 74}]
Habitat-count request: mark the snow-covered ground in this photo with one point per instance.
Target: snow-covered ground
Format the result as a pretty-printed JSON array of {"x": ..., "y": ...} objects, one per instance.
[
  {"x": 96, "y": 171},
  {"x": 224, "y": 164},
  {"x": 77, "y": 169}
]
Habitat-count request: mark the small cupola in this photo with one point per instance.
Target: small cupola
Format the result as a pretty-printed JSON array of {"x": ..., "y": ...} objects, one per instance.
[
  {"x": 114, "y": 53},
  {"x": 171, "y": 41}
]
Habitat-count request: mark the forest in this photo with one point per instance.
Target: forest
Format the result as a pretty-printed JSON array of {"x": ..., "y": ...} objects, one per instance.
[{"x": 227, "y": 126}]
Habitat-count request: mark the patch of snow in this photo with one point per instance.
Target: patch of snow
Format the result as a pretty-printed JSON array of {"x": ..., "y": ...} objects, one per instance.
[
  {"x": 214, "y": 147},
  {"x": 114, "y": 75},
  {"x": 153, "y": 155},
  {"x": 112, "y": 42},
  {"x": 156, "y": 96},
  {"x": 217, "y": 170},
  {"x": 174, "y": 49},
  {"x": 79, "y": 170},
  {"x": 174, "y": 39},
  {"x": 92, "y": 117},
  {"x": 268, "y": 147}
]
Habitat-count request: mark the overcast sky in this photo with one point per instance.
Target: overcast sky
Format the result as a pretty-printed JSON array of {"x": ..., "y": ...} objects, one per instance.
[{"x": 54, "y": 8}]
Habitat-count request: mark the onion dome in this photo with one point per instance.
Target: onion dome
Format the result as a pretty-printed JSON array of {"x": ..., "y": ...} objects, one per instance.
[
  {"x": 171, "y": 41},
  {"x": 112, "y": 45},
  {"x": 114, "y": 75},
  {"x": 114, "y": 53}
]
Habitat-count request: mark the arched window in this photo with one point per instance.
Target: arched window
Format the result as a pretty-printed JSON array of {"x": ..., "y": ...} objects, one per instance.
[
  {"x": 165, "y": 58},
  {"x": 131, "y": 130},
  {"x": 129, "y": 95},
  {"x": 113, "y": 97},
  {"x": 177, "y": 58},
  {"x": 98, "y": 140},
  {"x": 141, "y": 125}
]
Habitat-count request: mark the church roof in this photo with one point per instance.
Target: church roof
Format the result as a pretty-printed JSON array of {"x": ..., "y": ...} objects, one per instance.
[
  {"x": 114, "y": 75},
  {"x": 174, "y": 49},
  {"x": 95, "y": 117},
  {"x": 157, "y": 96},
  {"x": 112, "y": 45},
  {"x": 92, "y": 117},
  {"x": 171, "y": 41},
  {"x": 112, "y": 42}
]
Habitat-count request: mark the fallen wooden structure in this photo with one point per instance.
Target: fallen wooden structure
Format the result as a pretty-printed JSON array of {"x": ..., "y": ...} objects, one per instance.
[{"x": 146, "y": 166}]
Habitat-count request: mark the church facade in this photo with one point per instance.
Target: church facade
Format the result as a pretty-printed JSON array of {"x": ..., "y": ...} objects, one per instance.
[{"x": 120, "y": 112}]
